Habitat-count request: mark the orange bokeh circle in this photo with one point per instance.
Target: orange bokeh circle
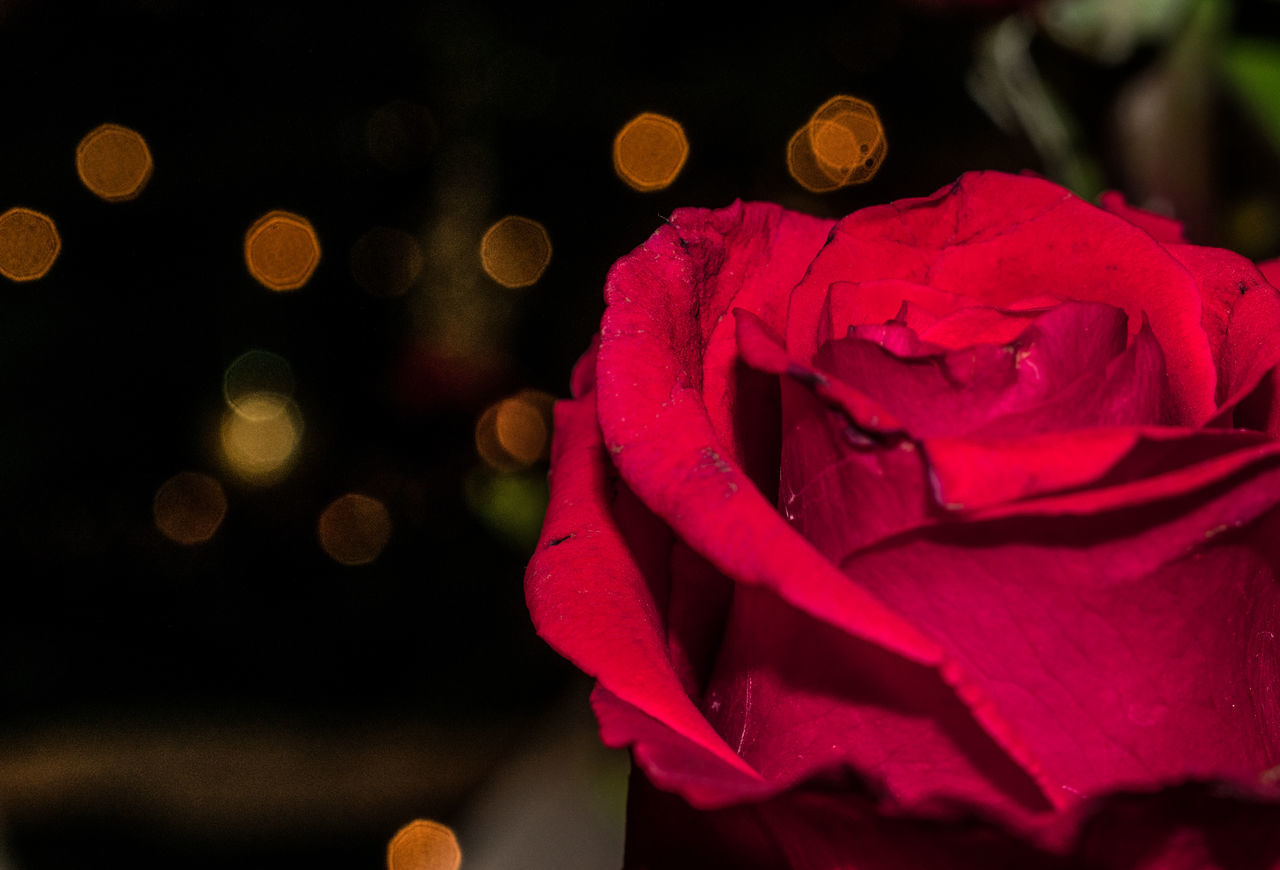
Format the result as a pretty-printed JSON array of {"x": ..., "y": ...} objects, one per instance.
[
  {"x": 649, "y": 151},
  {"x": 114, "y": 162},
  {"x": 281, "y": 250},
  {"x": 515, "y": 251},
  {"x": 842, "y": 144},
  {"x": 29, "y": 244}
]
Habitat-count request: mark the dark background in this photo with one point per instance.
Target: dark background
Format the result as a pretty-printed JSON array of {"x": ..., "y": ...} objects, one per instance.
[{"x": 398, "y": 689}]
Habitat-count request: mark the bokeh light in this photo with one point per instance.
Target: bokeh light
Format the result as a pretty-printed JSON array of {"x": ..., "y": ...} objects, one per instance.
[
  {"x": 515, "y": 432},
  {"x": 114, "y": 162},
  {"x": 281, "y": 250},
  {"x": 842, "y": 144},
  {"x": 511, "y": 504},
  {"x": 256, "y": 373},
  {"x": 189, "y": 507},
  {"x": 424, "y": 845},
  {"x": 802, "y": 163},
  {"x": 400, "y": 135},
  {"x": 260, "y": 437},
  {"x": 386, "y": 261},
  {"x": 354, "y": 529},
  {"x": 649, "y": 151},
  {"x": 515, "y": 251},
  {"x": 29, "y": 243}
]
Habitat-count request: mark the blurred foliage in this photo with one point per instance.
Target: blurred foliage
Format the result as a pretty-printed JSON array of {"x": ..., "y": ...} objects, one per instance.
[{"x": 1252, "y": 69}]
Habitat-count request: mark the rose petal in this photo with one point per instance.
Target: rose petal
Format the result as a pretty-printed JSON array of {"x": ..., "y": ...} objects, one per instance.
[
  {"x": 840, "y": 482},
  {"x": 591, "y": 600},
  {"x": 1176, "y": 602},
  {"x": 958, "y": 391},
  {"x": 996, "y": 239},
  {"x": 1240, "y": 316},
  {"x": 1077, "y": 437},
  {"x": 977, "y": 325},
  {"x": 763, "y": 351},
  {"x": 744, "y": 256},
  {"x": 690, "y": 768},
  {"x": 1126, "y": 393},
  {"x": 914, "y": 317},
  {"x": 793, "y": 696},
  {"x": 1124, "y": 467},
  {"x": 666, "y": 307},
  {"x": 878, "y": 301},
  {"x": 970, "y": 473},
  {"x": 842, "y": 495}
]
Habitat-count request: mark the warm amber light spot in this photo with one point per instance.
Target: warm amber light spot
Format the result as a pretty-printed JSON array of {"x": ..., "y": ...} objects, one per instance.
[
  {"x": 514, "y": 433},
  {"x": 424, "y": 845},
  {"x": 649, "y": 151},
  {"x": 835, "y": 146},
  {"x": 114, "y": 162},
  {"x": 848, "y": 139},
  {"x": 515, "y": 251},
  {"x": 386, "y": 261},
  {"x": 802, "y": 163},
  {"x": 189, "y": 507},
  {"x": 281, "y": 250},
  {"x": 354, "y": 529},
  {"x": 260, "y": 436},
  {"x": 842, "y": 144},
  {"x": 29, "y": 244}
]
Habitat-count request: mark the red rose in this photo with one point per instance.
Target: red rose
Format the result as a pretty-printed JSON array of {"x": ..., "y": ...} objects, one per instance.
[{"x": 940, "y": 536}]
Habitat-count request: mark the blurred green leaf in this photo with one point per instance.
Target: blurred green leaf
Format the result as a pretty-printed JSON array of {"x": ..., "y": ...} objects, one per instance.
[
  {"x": 1005, "y": 81},
  {"x": 1251, "y": 68},
  {"x": 1109, "y": 30}
]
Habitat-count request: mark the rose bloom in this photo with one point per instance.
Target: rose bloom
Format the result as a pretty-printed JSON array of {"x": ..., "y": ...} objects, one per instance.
[{"x": 943, "y": 535}]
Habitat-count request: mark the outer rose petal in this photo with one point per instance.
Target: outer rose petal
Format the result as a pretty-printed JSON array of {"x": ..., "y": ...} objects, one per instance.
[
  {"x": 671, "y": 760},
  {"x": 1177, "y": 603},
  {"x": 794, "y": 696},
  {"x": 591, "y": 601},
  {"x": 667, "y": 341}
]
